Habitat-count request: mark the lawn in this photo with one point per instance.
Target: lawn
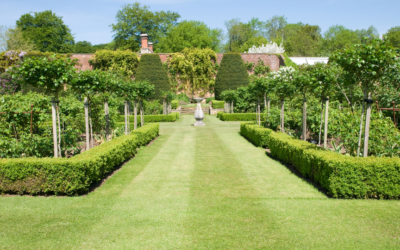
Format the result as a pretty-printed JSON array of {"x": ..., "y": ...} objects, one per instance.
[{"x": 200, "y": 188}]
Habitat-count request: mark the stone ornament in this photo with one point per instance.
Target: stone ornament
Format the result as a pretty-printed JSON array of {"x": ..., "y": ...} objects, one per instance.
[{"x": 199, "y": 115}]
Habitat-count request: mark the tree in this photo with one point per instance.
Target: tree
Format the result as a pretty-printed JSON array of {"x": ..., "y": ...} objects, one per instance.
[
  {"x": 393, "y": 36},
  {"x": 258, "y": 88},
  {"x": 229, "y": 96},
  {"x": 134, "y": 19},
  {"x": 254, "y": 41},
  {"x": 84, "y": 47},
  {"x": 275, "y": 26},
  {"x": 238, "y": 34},
  {"x": 51, "y": 74},
  {"x": 12, "y": 39},
  {"x": 231, "y": 74},
  {"x": 338, "y": 37},
  {"x": 144, "y": 90},
  {"x": 367, "y": 64},
  {"x": 127, "y": 90},
  {"x": 189, "y": 34},
  {"x": 369, "y": 33},
  {"x": 151, "y": 69},
  {"x": 47, "y": 31}
]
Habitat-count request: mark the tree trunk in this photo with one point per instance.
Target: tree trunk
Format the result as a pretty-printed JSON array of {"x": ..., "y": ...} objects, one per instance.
[
  {"x": 126, "y": 118},
  {"x": 164, "y": 107},
  {"x": 305, "y": 119},
  {"x": 258, "y": 111},
  {"x": 135, "y": 116},
  {"x": 59, "y": 130},
  {"x": 141, "y": 114},
  {"x": 107, "y": 118},
  {"x": 91, "y": 127},
  {"x": 54, "y": 118},
  {"x": 87, "y": 123},
  {"x": 326, "y": 122},
  {"x": 283, "y": 116},
  {"x": 320, "y": 125},
  {"x": 268, "y": 106},
  {"x": 169, "y": 107},
  {"x": 361, "y": 125},
  {"x": 265, "y": 100},
  {"x": 232, "y": 107},
  {"x": 367, "y": 123}
]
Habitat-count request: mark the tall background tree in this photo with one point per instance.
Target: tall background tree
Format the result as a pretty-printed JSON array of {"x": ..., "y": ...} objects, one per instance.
[
  {"x": 47, "y": 31},
  {"x": 393, "y": 36},
  {"x": 12, "y": 39},
  {"x": 135, "y": 19},
  {"x": 84, "y": 47}
]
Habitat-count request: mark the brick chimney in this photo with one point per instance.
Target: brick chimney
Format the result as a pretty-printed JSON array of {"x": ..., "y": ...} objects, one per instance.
[
  {"x": 150, "y": 46},
  {"x": 146, "y": 46}
]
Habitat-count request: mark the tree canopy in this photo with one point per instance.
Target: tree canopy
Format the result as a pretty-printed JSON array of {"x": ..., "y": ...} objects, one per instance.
[
  {"x": 393, "y": 36},
  {"x": 84, "y": 47},
  {"x": 47, "y": 31}
]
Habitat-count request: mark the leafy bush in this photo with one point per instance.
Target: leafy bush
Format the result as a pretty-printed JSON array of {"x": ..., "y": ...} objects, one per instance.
[
  {"x": 151, "y": 69},
  {"x": 218, "y": 104},
  {"x": 239, "y": 116},
  {"x": 231, "y": 74},
  {"x": 126, "y": 62},
  {"x": 256, "y": 134},
  {"x": 74, "y": 175},
  {"x": 174, "y": 104},
  {"x": 219, "y": 113},
  {"x": 342, "y": 176},
  {"x": 153, "y": 118},
  {"x": 183, "y": 97},
  {"x": 209, "y": 99},
  {"x": 152, "y": 107}
]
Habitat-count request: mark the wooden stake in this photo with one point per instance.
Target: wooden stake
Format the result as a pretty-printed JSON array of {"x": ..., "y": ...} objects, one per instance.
[
  {"x": 54, "y": 118},
  {"x": 87, "y": 123},
  {"x": 326, "y": 122}
]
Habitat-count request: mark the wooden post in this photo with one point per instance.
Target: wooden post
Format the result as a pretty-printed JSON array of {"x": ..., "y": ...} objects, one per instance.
[
  {"x": 107, "y": 118},
  {"x": 87, "y": 123},
  {"x": 258, "y": 111},
  {"x": 283, "y": 116},
  {"x": 326, "y": 122},
  {"x": 367, "y": 123},
  {"x": 305, "y": 119},
  {"x": 135, "y": 116},
  {"x": 54, "y": 118},
  {"x": 164, "y": 107},
  {"x": 232, "y": 107},
  {"x": 31, "y": 118},
  {"x": 141, "y": 114},
  {"x": 126, "y": 117}
]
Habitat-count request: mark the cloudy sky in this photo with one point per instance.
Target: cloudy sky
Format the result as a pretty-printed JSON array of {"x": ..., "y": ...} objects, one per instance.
[{"x": 90, "y": 19}]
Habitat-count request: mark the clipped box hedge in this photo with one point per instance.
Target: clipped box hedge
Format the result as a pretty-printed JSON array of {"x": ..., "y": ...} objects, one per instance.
[
  {"x": 219, "y": 113},
  {"x": 217, "y": 104},
  {"x": 71, "y": 176},
  {"x": 152, "y": 118},
  {"x": 174, "y": 104},
  {"x": 239, "y": 117},
  {"x": 256, "y": 134},
  {"x": 342, "y": 176}
]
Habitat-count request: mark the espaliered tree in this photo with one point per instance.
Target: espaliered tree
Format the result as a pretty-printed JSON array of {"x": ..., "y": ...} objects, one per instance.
[
  {"x": 50, "y": 74},
  {"x": 283, "y": 87},
  {"x": 232, "y": 74},
  {"x": 229, "y": 96},
  {"x": 151, "y": 70},
  {"x": 366, "y": 64},
  {"x": 167, "y": 96},
  {"x": 127, "y": 90},
  {"x": 257, "y": 88},
  {"x": 144, "y": 90}
]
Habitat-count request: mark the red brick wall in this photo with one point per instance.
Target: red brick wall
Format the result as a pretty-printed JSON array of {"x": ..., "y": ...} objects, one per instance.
[{"x": 270, "y": 60}]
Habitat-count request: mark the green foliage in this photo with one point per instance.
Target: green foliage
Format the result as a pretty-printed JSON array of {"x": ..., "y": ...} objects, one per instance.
[
  {"x": 342, "y": 176},
  {"x": 338, "y": 37},
  {"x": 249, "y": 65},
  {"x": 84, "y": 47},
  {"x": 253, "y": 41},
  {"x": 281, "y": 82},
  {"x": 231, "y": 75},
  {"x": 288, "y": 62},
  {"x": 153, "y": 107},
  {"x": 209, "y": 99},
  {"x": 219, "y": 113},
  {"x": 154, "y": 118},
  {"x": 150, "y": 69},
  {"x": 256, "y": 134},
  {"x": 189, "y": 34},
  {"x": 174, "y": 104},
  {"x": 74, "y": 175},
  {"x": 193, "y": 69},
  {"x": 134, "y": 19},
  {"x": 218, "y": 104},
  {"x": 12, "y": 39},
  {"x": 393, "y": 36},
  {"x": 261, "y": 68},
  {"x": 47, "y": 31},
  {"x": 125, "y": 62},
  {"x": 229, "y": 95},
  {"x": 239, "y": 116}
]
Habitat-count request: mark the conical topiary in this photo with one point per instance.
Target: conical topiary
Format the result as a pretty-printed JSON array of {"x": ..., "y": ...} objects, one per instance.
[
  {"x": 151, "y": 69},
  {"x": 232, "y": 74}
]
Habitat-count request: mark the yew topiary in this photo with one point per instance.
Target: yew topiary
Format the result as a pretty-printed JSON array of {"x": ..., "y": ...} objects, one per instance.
[
  {"x": 151, "y": 69},
  {"x": 232, "y": 74}
]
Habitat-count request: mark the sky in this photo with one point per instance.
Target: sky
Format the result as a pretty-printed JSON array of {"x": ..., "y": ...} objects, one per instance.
[{"x": 90, "y": 20}]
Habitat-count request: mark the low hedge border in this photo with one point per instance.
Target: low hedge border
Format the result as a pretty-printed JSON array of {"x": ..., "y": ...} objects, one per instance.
[
  {"x": 239, "y": 116},
  {"x": 219, "y": 113},
  {"x": 72, "y": 176},
  {"x": 217, "y": 104},
  {"x": 256, "y": 134},
  {"x": 342, "y": 176},
  {"x": 152, "y": 118}
]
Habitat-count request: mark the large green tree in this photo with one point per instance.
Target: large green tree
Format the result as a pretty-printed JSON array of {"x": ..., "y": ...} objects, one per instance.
[
  {"x": 238, "y": 34},
  {"x": 12, "y": 39},
  {"x": 369, "y": 33},
  {"x": 134, "y": 19},
  {"x": 338, "y": 37},
  {"x": 393, "y": 36},
  {"x": 190, "y": 34},
  {"x": 84, "y": 47},
  {"x": 47, "y": 31}
]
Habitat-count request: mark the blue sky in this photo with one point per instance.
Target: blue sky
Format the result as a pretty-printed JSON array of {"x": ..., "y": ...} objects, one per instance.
[{"x": 90, "y": 19}]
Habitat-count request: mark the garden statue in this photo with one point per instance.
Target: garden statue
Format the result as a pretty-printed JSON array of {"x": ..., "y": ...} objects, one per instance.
[{"x": 199, "y": 115}]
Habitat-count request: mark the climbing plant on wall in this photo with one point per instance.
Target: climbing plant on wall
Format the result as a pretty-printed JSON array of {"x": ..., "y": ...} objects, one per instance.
[{"x": 125, "y": 62}]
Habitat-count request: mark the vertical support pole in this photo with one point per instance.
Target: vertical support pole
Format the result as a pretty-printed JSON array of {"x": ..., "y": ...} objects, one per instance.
[
  {"x": 54, "y": 118},
  {"x": 258, "y": 111},
  {"x": 107, "y": 118},
  {"x": 164, "y": 107},
  {"x": 283, "y": 116},
  {"x": 31, "y": 118},
  {"x": 135, "y": 116},
  {"x": 87, "y": 123},
  {"x": 126, "y": 117},
  {"x": 305, "y": 119},
  {"x": 232, "y": 107},
  {"x": 394, "y": 113},
  {"x": 265, "y": 100},
  {"x": 326, "y": 122},
  {"x": 141, "y": 114},
  {"x": 367, "y": 124}
]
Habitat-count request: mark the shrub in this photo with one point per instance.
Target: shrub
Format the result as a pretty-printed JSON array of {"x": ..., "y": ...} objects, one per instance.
[
  {"x": 74, "y": 175},
  {"x": 256, "y": 134},
  {"x": 219, "y": 113},
  {"x": 153, "y": 118},
  {"x": 209, "y": 99},
  {"x": 231, "y": 74},
  {"x": 125, "y": 62},
  {"x": 174, "y": 104},
  {"x": 151, "y": 69},
  {"x": 342, "y": 176},
  {"x": 239, "y": 117},
  {"x": 152, "y": 107},
  {"x": 218, "y": 104}
]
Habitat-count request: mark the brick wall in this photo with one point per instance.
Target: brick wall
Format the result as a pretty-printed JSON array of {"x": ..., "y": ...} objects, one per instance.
[{"x": 270, "y": 60}]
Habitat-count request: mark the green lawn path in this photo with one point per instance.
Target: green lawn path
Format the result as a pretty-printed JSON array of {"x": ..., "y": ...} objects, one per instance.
[{"x": 200, "y": 188}]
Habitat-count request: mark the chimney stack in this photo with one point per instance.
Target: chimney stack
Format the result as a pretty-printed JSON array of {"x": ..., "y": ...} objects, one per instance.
[
  {"x": 145, "y": 39},
  {"x": 151, "y": 46}
]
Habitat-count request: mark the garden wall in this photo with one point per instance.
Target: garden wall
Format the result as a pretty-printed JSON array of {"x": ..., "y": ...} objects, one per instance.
[{"x": 270, "y": 60}]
